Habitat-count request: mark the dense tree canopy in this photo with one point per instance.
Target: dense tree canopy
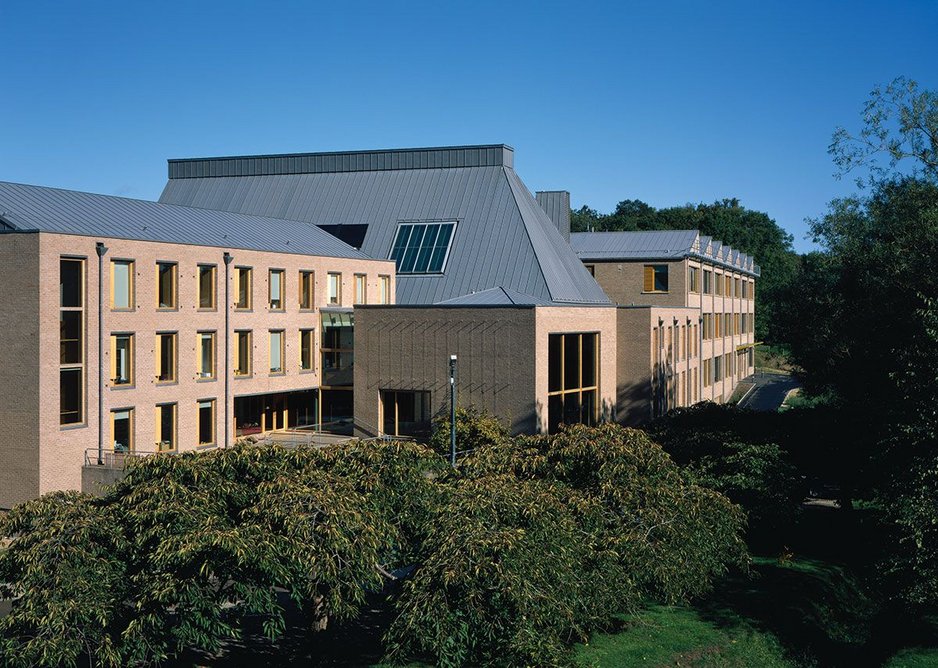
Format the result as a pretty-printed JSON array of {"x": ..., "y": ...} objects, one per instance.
[{"x": 752, "y": 232}]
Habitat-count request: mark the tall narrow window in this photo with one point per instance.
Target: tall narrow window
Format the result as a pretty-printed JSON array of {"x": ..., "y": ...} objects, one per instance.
[
  {"x": 71, "y": 341},
  {"x": 422, "y": 248},
  {"x": 655, "y": 278},
  {"x": 206, "y": 421},
  {"x": 207, "y": 286},
  {"x": 243, "y": 350},
  {"x": 243, "y": 296},
  {"x": 385, "y": 289},
  {"x": 166, "y": 285},
  {"x": 165, "y": 427},
  {"x": 335, "y": 288},
  {"x": 361, "y": 291},
  {"x": 276, "y": 351},
  {"x": 122, "y": 359},
  {"x": 307, "y": 290},
  {"x": 306, "y": 349},
  {"x": 166, "y": 357},
  {"x": 275, "y": 289},
  {"x": 122, "y": 430},
  {"x": 572, "y": 379},
  {"x": 122, "y": 284},
  {"x": 693, "y": 279},
  {"x": 707, "y": 282},
  {"x": 206, "y": 352}
]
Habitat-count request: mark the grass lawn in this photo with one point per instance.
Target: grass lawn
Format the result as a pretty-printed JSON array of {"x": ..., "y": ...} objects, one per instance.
[{"x": 679, "y": 636}]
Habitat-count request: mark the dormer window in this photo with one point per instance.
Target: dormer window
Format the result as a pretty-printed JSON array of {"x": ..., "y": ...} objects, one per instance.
[{"x": 422, "y": 248}]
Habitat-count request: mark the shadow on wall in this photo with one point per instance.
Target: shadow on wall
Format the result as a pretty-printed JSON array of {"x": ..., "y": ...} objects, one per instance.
[{"x": 634, "y": 403}]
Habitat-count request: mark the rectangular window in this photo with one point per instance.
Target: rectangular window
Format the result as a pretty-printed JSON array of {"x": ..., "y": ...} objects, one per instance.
[
  {"x": 385, "y": 284},
  {"x": 718, "y": 326},
  {"x": 335, "y": 288},
  {"x": 337, "y": 349},
  {"x": 122, "y": 359},
  {"x": 243, "y": 300},
  {"x": 276, "y": 351},
  {"x": 71, "y": 341},
  {"x": 166, "y": 285},
  {"x": 243, "y": 350},
  {"x": 275, "y": 289},
  {"x": 405, "y": 413},
  {"x": 707, "y": 282},
  {"x": 422, "y": 248},
  {"x": 573, "y": 379},
  {"x": 206, "y": 353},
  {"x": 707, "y": 373},
  {"x": 122, "y": 430},
  {"x": 307, "y": 290},
  {"x": 166, "y": 357},
  {"x": 306, "y": 349},
  {"x": 207, "y": 286},
  {"x": 122, "y": 284},
  {"x": 752, "y": 289},
  {"x": 206, "y": 422},
  {"x": 736, "y": 287},
  {"x": 165, "y": 427},
  {"x": 656, "y": 278},
  {"x": 717, "y": 368},
  {"x": 361, "y": 292},
  {"x": 693, "y": 279}
]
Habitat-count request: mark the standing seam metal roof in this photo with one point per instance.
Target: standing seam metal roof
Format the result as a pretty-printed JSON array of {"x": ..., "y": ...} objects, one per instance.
[
  {"x": 502, "y": 237},
  {"x": 27, "y": 208}
]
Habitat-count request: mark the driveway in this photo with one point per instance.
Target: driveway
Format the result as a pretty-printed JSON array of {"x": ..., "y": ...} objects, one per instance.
[{"x": 770, "y": 391}]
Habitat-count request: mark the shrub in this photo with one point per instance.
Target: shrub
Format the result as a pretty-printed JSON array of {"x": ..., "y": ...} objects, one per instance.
[{"x": 474, "y": 429}]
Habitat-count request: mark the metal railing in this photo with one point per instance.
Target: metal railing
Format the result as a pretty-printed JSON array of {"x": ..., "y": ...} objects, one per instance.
[{"x": 114, "y": 460}]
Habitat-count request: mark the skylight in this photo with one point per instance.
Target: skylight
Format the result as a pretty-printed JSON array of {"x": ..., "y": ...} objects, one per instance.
[{"x": 422, "y": 248}]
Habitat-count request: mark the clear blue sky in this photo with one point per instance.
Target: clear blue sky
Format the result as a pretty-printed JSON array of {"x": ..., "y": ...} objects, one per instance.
[{"x": 667, "y": 102}]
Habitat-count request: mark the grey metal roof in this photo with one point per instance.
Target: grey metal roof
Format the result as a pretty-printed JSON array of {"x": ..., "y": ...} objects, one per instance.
[
  {"x": 498, "y": 295},
  {"x": 502, "y": 237},
  {"x": 638, "y": 245},
  {"x": 25, "y": 207},
  {"x": 658, "y": 245},
  {"x": 556, "y": 204}
]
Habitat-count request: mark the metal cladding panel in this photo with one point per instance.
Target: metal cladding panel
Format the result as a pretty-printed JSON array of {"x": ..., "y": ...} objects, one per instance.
[
  {"x": 556, "y": 204},
  {"x": 87, "y": 214},
  {"x": 497, "y": 155},
  {"x": 498, "y": 240}
]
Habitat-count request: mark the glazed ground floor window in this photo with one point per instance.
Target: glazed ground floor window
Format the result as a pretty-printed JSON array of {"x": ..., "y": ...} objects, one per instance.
[{"x": 572, "y": 379}]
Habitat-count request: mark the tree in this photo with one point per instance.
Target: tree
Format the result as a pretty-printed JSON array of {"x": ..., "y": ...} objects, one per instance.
[
  {"x": 544, "y": 538},
  {"x": 900, "y": 123},
  {"x": 177, "y": 554}
]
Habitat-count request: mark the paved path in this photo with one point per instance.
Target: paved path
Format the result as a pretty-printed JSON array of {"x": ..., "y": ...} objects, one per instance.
[{"x": 770, "y": 391}]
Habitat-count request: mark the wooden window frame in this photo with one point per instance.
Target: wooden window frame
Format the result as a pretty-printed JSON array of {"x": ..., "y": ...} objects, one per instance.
[
  {"x": 307, "y": 284},
  {"x": 580, "y": 388},
  {"x": 158, "y": 422},
  {"x": 649, "y": 274},
  {"x": 334, "y": 300},
  {"x": 79, "y": 367},
  {"x": 158, "y": 357},
  {"x": 174, "y": 285},
  {"x": 361, "y": 289},
  {"x": 132, "y": 419},
  {"x": 198, "y": 421},
  {"x": 384, "y": 283},
  {"x": 213, "y": 272},
  {"x": 131, "y": 363},
  {"x": 131, "y": 284},
  {"x": 311, "y": 333},
  {"x": 283, "y": 351},
  {"x": 270, "y": 290},
  {"x": 249, "y": 334},
  {"x": 249, "y": 294},
  {"x": 199, "y": 371}
]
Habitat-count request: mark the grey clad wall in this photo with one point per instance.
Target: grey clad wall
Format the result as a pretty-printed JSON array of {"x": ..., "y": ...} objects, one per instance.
[{"x": 400, "y": 348}]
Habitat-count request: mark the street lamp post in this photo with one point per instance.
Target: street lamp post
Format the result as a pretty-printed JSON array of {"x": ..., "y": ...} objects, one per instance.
[{"x": 452, "y": 410}]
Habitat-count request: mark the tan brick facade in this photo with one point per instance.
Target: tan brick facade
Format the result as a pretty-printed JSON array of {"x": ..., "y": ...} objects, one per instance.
[{"x": 40, "y": 456}]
